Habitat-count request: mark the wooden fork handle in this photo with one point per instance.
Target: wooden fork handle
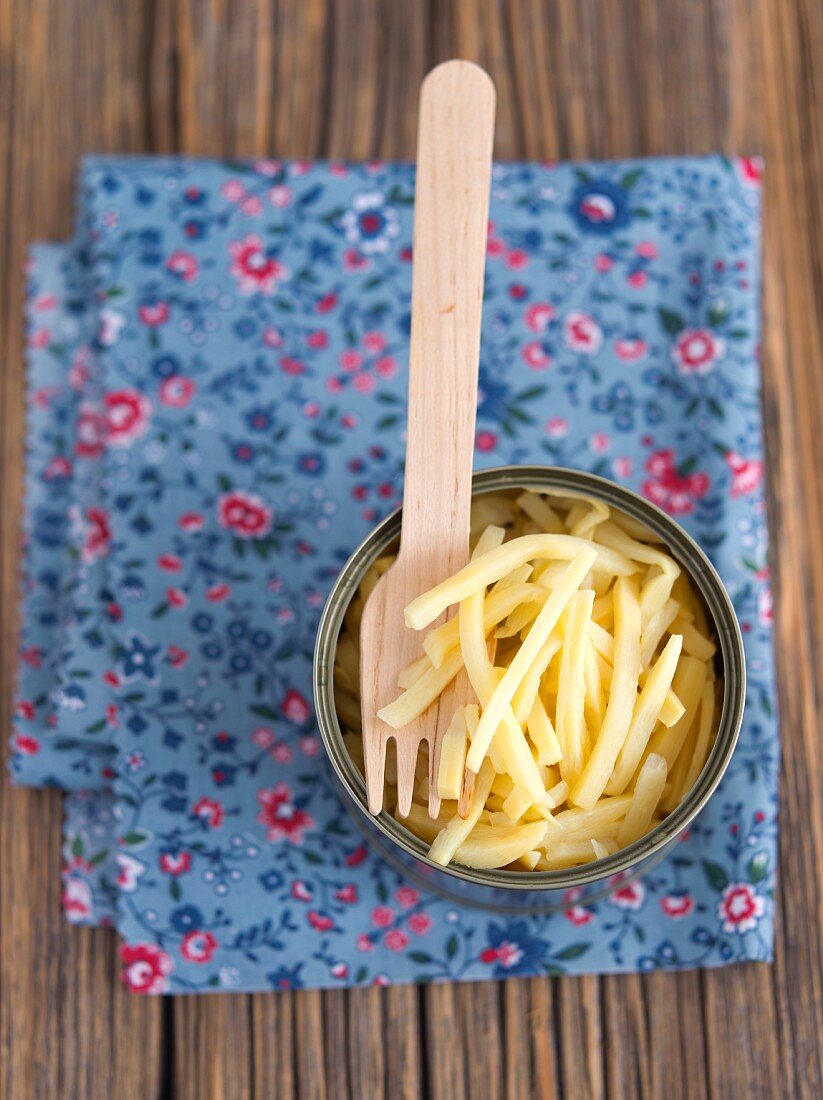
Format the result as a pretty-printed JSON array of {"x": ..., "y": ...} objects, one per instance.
[{"x": 454, "y": 149}]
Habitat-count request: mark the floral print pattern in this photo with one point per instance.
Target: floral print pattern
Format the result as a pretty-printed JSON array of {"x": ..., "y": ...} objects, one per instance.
[{"x": 216, "y": 406}]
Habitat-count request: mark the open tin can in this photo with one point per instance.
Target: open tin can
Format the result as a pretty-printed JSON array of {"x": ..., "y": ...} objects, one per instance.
[{"x": 536, "y": 891}]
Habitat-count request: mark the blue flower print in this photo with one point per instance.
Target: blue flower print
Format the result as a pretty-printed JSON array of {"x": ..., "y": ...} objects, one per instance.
[
  {"x": 186, "y": 918},
  {"x": 138, "y": 659},
  {"x": 286, "y": 977},
  {"x": 600, "y": 206},
  {"x": 513, "y": 949},
  {"x": 371, "y": 224}
]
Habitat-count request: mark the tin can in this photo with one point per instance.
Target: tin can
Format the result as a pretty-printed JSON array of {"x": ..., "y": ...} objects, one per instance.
[{"x": 536, "y": 891}]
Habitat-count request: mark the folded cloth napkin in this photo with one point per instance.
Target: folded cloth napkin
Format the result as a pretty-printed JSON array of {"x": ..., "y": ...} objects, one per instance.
[{"x": 216, "y": 404}]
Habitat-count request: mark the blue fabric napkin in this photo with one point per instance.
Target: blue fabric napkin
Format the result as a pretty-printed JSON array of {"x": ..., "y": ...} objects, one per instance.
[{"x": 216, "y": 402}]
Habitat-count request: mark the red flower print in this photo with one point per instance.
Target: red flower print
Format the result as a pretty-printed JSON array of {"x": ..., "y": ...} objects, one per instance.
[
  {"x": 310, "y": 746},
  {"x": 263, "y": 737},
  {"x": 198, "y": 947},
  {"x": 538, "y": 315},
  {"x": 326, "y": 304},
  {"x": 406, "y": 897},
  {"x": 127, "y": 415},
  {"x": 190, "y": 521},
  {"x": 374, "y": 342},
  {"x": 216, "y": 593},
  {"x": 98, "y": 535},
  {"x": 386, "y": 366},
  {"x": 646, "y": 249},
  {"x": 177, "y": 656},
  {"x": 319, "y": 922},
  {"x": 485, "y": 441},
  {"x": 516, "y": 259},
  {"x": 356, "y": 857},
  {"x": 677, "y": 906},
  {"x": 599, "y": 442},
  {"x": 175, "y": 864},
  {"x": 536, "y": 356},
  {"x": 295, "y": 707},
  {"x": 751, "y": 170},
  {"x": 630, "y": 349},
  {"x": 282, "y": 819},
  {"x": 740, "y": 907},
  {"x": 637, "y": 279},
  {"x": 347, "y": 893},
  {"x": 603, "y": 262},
  {"x": 233, "y": 191},
  {"x": 26, "y": 745},
  {"x": 577, "y": 914},
  {"x": 58, "y": 467},
  {"x": 582, "y": 333},
  {"x": 90, "y": 432},
  {"x": 176, "y": 597},
  {"x": 697, "y": 350},
  {"x": 24, "y": 709},
  {"x": 364, "y": 942},
  {"x": 382, "y": 916},
  {"x": 32, "y": 656},
  {"x": 76, "y": 898},
  {"x": 210, "y": 811},
  {"x": 505, "y": 954},
  {"x": 282, "y": 753},
  {"x": 153, "y": 314},
  {"x": 245, "y": 514},
  {"x": 629, "y": 896},
  {"x": 396, "y": 940},
  {"x": 747, "y": 473},
  {"x": 339, "y": 970},
  {"x": 671, "y": 490},
  {"x": 280, "y": 196},
  {"x": 170, "y": 563},
  {"x": 272, "y": 337},
  {"x": 254, "y": 269},
  {"x": 146, "y": 968},
  {"x": 420, "y": 923},
  {"x": 381, "y": 980},
  {"x": 301, "y": 891},
  {"x": 318, "y": 339},
  {"x": 622, "y": 467},
  {"x": 557, "y": 427},
  {"x": 291, "y": 366},
  {"x": 764, "y": 606},
  {"x": 176, "y": 391},
  {"x": 183, "y": 265}
]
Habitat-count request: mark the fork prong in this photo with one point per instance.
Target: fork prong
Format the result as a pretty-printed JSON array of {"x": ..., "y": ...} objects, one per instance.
[
  {"x": 407, "y": 750},
  {"x": 374, "y": 755},
  {"x": 435, "y": 745}
]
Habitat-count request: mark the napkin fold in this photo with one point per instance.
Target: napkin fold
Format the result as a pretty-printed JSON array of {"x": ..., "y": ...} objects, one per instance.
[{"x": 216, "y": 402}]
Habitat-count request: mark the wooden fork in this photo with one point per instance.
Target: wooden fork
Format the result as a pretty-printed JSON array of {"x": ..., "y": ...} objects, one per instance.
[{"x": 454, "y": 149}]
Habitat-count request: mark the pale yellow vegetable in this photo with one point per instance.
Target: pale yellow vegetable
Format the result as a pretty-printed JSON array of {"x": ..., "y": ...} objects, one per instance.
[
  {"x": 650, "y": 782},
  {"x": 526, "y": 694},
  {"x": 490, "y": 846},
  {"x": 452, "y": 757},
  {"x": 449, "y": 839},
  {"x": 412, "y": 673},
  {"x": 497, "y": 606},
  {"x": 694, "y": 643},
  {"x": 490, "y": 567},
  {"x": 623, "y": 691},
  {"x": 701, "y": 748},
  {"x": 604, "y": 815},
  {"x": 569, "y": 720},
  {"x": 688, "y": 684},
  {"x": 654, "y": 630},
  {"x": 542, "y": 734},
  {"x": 499, "y": 702},
  {"x": 646, "y": 713},
  {"x": 541, "y": 512},
  {"x": 672, "y": 710},
  {"x": 593, "y": 702},
  {"x": 422, "y": 693}
]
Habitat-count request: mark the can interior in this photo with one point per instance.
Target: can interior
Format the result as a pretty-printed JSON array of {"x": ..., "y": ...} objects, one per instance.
[{"x": 729, "y": 665}]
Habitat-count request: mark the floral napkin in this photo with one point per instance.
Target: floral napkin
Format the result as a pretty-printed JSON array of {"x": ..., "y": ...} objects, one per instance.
[{"x": 216, "y": 406}]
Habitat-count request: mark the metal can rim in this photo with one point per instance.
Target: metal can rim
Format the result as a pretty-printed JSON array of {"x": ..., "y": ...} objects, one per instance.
[{"x": 689, "y": 555}]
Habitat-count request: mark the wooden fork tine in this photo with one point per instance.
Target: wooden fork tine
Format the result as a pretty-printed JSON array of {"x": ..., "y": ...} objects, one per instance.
[
  {"x": 374, "y": 755},
  {"x": 407, "y": 750}
]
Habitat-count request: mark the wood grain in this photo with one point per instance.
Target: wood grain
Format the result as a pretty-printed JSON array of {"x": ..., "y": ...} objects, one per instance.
[{"x": 340, "y": 78}]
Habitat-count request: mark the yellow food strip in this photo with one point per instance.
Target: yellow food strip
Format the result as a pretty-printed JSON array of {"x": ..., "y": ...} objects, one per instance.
[
  {"x": 412, "y": 673},
  {"x": 490, "y": 567},
  {"x": 569, "y": 718},
  {"x": 650, "y": 782},
  {"x": 449, "y": 839},
  {"x": 593, "y": 702},
  {"x": 452, "y": 757},
  {"x": 425, "y": 827},
  {"x": 672, "y": 710},
  {"x": 496, "y": 845},
  {"x": 694, "y": 643},
  {"x": 702, "y": 744},
  {"x": 622, "y": 694},
  {"x": 584, "y": 518},
  {"x": 646, "y": 713},
  {"x": 688, "y": 684},
  {"x": 517, "y": 576},
  {"x": 539, "y": 510},
  {"x": 521, "y": 618},
  {"x": 606, "y": 813},
  {"x": 497, "y": 606},
  {"x": 496, "y": 706},
  {"x": 602, "y": 641},
  {"x": 542, "y": 734},
  {"x": 526, "y": 693},
  {"x": 422, "y": 694},
  {"x": 654, "y": 630}
]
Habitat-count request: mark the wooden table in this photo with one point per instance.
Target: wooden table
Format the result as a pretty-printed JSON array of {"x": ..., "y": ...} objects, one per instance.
[{"x": 339, "y": 78}]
